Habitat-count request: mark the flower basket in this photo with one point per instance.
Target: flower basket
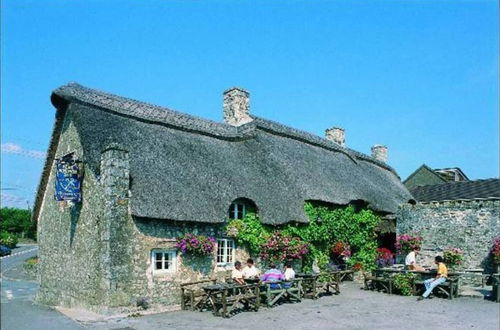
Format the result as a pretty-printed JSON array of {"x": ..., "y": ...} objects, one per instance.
[
  {"x": 495, "y": 253},
  {"x": 453, "y": 257},
  {"x": 384, "y": 257},
  {"x": 198, "y": 245},
  {"x": 280, "y": 248},
  {"x": 406, "y": 243},
  {"x": 341, "y": 249}
]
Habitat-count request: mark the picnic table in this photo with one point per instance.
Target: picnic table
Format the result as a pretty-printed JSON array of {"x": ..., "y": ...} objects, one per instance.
[
  {"x": 383, "y": 278},
  {"x": 223, "y": 298},
  {"x": 314, "y": 284}
]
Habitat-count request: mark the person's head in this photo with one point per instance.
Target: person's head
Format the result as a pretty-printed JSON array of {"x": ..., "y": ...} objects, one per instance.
[
  {"x": 416, "y": 250},
  {"x": 237, "y": 265},
  {"x": 272, "y": 265},
  {"x": 249, "y": 262},
  {"x": 288, "y": 264},
  {"x": 438, "y": 259}
]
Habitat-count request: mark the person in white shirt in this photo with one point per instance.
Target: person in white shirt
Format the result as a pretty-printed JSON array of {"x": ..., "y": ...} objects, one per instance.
[
  {"x": 237, "y": 274},
  {"x": 411, "y": 261},
  {"x": 289, "y": 272},
  {"x": 250, "y": 271}
]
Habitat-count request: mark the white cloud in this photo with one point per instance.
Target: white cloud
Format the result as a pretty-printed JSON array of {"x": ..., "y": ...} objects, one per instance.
[
  {"x": 13, "y": 200},
  {"x": 13, "y": 148}
]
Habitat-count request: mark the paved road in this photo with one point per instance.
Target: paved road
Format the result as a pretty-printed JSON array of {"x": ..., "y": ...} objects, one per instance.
[{"x": 17, "y": 308}]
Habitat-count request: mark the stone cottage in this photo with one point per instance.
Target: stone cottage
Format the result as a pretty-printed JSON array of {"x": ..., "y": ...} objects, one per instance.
[
  {"x": 460, "y": 214},
  {"x": 123, "y": 179}
]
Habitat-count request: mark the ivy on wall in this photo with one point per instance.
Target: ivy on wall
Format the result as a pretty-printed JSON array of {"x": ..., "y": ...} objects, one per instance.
[{"x": 326, "y": 226}]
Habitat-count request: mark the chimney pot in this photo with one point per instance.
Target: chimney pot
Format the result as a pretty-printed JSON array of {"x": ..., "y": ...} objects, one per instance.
[
  {"x": 236, "y": 106},
  {"x": 336, "y": 134},
  {"x": 379, "y": 152}
]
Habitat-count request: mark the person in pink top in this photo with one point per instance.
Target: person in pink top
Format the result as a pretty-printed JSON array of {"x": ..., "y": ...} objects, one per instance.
[{"x": 272, "y": 275}]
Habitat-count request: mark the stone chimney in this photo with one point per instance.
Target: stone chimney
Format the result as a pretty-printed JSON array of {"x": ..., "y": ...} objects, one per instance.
[
  {"x": 237, "y": 106},
  {"x": 336, "y": 134},
  {"x": 379, "y": 152}
]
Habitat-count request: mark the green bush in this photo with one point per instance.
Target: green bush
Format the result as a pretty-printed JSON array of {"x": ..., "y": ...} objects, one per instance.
[
  {"x": 404, "y": 283},
  {"x": 8, "y": 239},
  {"x": 249, "y": 231},
  {"x": 18, "y": 222}
]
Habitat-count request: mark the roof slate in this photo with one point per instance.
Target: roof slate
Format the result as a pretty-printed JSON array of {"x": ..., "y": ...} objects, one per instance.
[{"x": 460, "y": 190}]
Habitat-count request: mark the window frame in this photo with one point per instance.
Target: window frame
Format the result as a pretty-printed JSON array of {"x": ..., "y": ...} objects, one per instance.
[
  {"x": 234, "y": 210},
  {"x": 173, "y": 263},
  {"x": 225, "y": 254}
]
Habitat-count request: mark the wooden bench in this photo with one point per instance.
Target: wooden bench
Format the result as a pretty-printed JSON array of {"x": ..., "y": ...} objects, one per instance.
[
  {"x": 329, "y": 283},
  {"x": 192, "y": 293},
  {"x": 374, "y": 282},
  {"x": 225, "y": 298},
  {"x": 345, "y": 275},
  {"x": 448, "y": 288},
  {"x": 273, "y": 292}
]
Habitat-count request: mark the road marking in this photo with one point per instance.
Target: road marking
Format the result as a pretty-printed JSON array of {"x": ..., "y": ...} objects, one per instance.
[
  {"x": 18, "y": 253},
  {"x": 9, "y": 294}
]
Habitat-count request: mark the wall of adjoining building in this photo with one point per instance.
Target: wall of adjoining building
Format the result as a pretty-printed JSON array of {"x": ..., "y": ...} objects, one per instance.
[{"x": 468, "y": 225}]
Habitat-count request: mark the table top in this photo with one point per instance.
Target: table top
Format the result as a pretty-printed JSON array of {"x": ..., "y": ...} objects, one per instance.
[
  {"x": 219, "y": 286},
  {"x": 426, "y": 272}
]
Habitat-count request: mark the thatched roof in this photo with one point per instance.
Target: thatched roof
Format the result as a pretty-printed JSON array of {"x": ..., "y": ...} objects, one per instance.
[{"x": 190, "y": 169}]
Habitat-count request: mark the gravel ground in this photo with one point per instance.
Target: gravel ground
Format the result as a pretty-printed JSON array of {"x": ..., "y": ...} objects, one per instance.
[{"x": 352, "y": 309}]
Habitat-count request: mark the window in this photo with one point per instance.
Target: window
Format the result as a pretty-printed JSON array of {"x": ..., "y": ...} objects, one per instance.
[
  {"x": 164, "y": 261},
  {"x": 225, "y": 252},
  {"x": 237, "y": 211}
]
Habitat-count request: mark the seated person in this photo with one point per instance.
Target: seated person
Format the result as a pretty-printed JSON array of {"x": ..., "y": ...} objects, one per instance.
[
  {"x": 411, "y": 261},
  {"x": 272, "y": 275},
  {"x": 250, "y": 271},
  {"x": 442, "y": 275},
  {"x": 289, "y": 272},
  {"x": 237, "y": 274},
  {"x": 289, "y": 275}
]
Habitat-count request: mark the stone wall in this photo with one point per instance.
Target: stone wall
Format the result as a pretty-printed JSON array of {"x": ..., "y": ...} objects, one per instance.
[
  {"x": 70, "y": 271},
  {"x": 467, "y": 225}
]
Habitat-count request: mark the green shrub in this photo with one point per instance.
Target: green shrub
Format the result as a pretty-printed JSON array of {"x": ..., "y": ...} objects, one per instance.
[
  {"x": 8, "y": 239},
  {"x": 404, "y": 283},
  {"x": 249, "y": 231},
  {"x": 18, "y": 222}
]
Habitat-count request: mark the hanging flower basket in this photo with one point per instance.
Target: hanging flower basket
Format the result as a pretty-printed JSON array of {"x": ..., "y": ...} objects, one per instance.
[
  {"x": 341, "y": 249},
  {"x": 199, "y": 245},
  {"x": 453, "y": 257},
  {"x": 280, "y": 248},
  {"x": 406, "y": 243},
  {"x": 384, "y": 257},
  {"x": 495, "y": 253}
]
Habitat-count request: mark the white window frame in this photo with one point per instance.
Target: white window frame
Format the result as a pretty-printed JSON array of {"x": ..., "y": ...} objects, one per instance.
[
  {"x": 225, "y": 254},
  {"x": 234, "y": 207},
  {"x": 172, "y": 265}
]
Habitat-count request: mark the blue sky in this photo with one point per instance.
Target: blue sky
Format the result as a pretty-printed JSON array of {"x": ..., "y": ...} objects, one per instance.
[{"x": 418, "y": 76}]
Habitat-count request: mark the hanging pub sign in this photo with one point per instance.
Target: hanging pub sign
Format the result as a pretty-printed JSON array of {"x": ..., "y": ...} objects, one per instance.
[{"x": 68, "y": 185}]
